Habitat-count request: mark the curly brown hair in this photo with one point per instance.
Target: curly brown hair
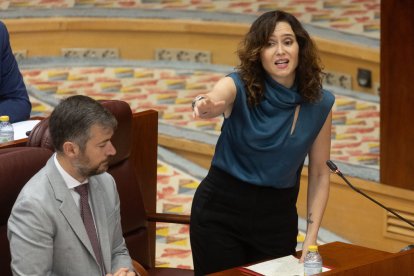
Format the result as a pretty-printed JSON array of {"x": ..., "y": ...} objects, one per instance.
[{"x": 308, "y": 73}]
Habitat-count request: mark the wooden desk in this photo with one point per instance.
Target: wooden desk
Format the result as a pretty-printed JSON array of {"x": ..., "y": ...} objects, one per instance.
[
  {"x": 14, "y": 143},
  {"x": 347, "y": 259},
  {"x": 19, "y": 142}
]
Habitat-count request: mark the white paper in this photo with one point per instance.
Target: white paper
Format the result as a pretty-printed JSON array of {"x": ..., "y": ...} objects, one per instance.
[
  {"x": 21, "y": 128},
  {"x": 285, "y": 266}
]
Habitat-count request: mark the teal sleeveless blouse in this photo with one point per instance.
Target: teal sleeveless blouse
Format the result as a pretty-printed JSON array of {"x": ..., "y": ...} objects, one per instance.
[{"x": 256, "y": 144}]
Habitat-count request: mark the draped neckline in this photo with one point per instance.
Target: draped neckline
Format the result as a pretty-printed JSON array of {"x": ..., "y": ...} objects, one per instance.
[{"x": 281, "y": 96}]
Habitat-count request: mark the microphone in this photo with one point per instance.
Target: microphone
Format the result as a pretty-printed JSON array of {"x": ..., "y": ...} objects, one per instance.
[{"x": 336, "y": 171}]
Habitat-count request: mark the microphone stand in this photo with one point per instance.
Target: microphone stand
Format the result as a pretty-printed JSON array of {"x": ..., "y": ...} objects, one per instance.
[{"x": 336, "y": 171}]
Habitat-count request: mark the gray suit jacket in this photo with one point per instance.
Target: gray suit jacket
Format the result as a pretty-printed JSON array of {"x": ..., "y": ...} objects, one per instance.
[{"x": 46, "y": 232}]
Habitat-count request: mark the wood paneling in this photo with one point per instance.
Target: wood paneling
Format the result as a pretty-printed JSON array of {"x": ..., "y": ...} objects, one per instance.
[
  {"x": 351, "y": 260},
  {"x": 357, "y": 219},
  {"x": 144, "y": 158},
  {"x": 199, "y": 153},
  {"x": 397, "y": 93}
]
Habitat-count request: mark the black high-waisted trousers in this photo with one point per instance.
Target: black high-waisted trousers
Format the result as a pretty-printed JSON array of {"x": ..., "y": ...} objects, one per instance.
[{"x": 234, "y": 223}]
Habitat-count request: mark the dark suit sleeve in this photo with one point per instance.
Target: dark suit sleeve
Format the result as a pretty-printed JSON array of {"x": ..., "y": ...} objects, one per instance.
[{"x": 14, "y": 100}]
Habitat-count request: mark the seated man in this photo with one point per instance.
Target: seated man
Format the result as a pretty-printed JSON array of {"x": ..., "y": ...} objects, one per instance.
[
  {"x": 55, "y": 228},
  {"x": 14, "y": 100}
]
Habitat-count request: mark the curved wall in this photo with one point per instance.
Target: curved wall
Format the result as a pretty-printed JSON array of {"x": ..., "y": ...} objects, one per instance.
[
  {"x": 139, "y": 38},
  {"x": 348, "y": 214}
]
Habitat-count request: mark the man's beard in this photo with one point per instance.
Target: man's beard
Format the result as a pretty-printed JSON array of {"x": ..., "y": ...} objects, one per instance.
[{"x": 85, "y": 171}]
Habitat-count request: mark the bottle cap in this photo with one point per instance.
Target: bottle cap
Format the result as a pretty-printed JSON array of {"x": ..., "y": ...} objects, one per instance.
[
  {"x": 300, "y": 238},
  {"x": 4, "y": 118},
  {"x": 313, "y": 248}
]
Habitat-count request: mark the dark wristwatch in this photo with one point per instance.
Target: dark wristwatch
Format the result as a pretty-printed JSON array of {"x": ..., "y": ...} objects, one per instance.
[{"x": 196, "y": 99}]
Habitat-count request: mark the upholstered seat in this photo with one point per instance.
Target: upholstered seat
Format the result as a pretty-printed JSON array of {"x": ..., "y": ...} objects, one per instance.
[{"x": 17, "y": 166}]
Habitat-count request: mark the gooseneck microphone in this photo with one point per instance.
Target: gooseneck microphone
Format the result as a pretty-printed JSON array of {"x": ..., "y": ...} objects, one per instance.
[{"x": 336, "y": 171}]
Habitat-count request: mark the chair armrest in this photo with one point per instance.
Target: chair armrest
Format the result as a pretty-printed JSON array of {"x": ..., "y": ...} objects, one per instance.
[
  {"x": 171, "y": 218},
  {"x": 139, "y": 268}
]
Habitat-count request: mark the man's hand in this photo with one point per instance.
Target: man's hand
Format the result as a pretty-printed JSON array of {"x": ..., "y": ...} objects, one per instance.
[{"x": 123, "y": 271}]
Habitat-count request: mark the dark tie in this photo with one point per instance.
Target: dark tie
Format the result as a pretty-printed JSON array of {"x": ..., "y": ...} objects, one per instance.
[{"x": 87, "y": 218}]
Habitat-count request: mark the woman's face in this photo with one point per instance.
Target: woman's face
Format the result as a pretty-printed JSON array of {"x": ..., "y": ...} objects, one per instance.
[{"x": 280, "y": 56}]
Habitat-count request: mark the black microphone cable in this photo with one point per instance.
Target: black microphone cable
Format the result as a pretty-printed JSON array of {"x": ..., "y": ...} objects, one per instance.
[{"x": 336, "y": 171}]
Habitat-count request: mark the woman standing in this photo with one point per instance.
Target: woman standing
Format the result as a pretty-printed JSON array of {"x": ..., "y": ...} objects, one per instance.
[{"x": 275, "y": 114}]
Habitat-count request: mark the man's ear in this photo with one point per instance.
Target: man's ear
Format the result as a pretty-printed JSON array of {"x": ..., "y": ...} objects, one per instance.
[{"x": 70, "y": 149}]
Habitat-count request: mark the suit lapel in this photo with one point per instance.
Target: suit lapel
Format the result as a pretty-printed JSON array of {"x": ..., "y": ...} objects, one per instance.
[
  {"x": 99, "y": 210},
  {"x": 68, "y": 207}
]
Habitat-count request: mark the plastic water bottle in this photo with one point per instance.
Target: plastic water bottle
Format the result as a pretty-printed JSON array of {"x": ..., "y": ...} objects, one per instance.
[
  {"x": 6, "y": 130},
  {"x": 313, "y": 261}
]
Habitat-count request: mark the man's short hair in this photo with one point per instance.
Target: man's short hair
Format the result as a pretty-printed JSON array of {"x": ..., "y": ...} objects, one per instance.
[{"x": 72, "y": 119}]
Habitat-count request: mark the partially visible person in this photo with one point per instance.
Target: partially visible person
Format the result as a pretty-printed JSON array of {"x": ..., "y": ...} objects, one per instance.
[
  {"x": 14, "y": 100},
  {"x": 66, "y": 220},
  {"x": 275, "y": 114}
]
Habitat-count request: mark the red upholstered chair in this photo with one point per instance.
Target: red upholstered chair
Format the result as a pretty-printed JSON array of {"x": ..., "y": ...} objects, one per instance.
[
  {"x": 17, "y": 166},
  {"x": 133, "y": 182}
]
